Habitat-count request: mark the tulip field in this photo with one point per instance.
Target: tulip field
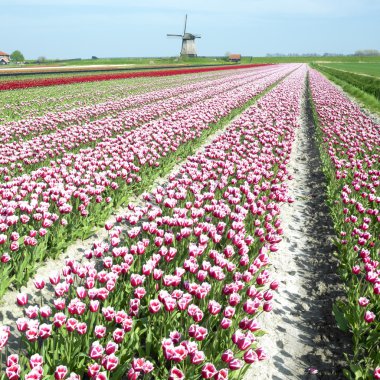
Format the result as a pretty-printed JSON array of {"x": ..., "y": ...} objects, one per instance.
[
  {"x": 53, "y": 81},
  {"x": 181, "y": 284},
  {"x": 350, "y": 151}
]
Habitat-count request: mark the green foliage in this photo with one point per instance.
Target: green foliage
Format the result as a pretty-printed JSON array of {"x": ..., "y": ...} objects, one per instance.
[
  {"x": 162, "y": 61},
  {"x": 338, "y": 311},
  {"x": 365, "y": 83},
  {"x": 216, "y": 60},
  {"x": 368, "y": 52},
  {"x": 17, "y": 56},
  {"x": 372, "y": 68}
]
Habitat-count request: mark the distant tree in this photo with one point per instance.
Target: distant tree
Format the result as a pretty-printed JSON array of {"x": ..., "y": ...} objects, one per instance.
[
  {"x": 41, "y": 59},
  {"x": 17, "y": 56},
  {"x": 368, "y": 52}
]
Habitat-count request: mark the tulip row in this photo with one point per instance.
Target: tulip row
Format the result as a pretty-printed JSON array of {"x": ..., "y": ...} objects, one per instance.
[
  {"x": 16, "y": 105},
  {"x": 51, "y": 122},
  {"x": 20, "y": 84},
  {"x": 178, "y": 290},
  {"x": 45, "y": 210},
  {"x": 122, "y": 115},
  {"x": 350, "y": 150}
]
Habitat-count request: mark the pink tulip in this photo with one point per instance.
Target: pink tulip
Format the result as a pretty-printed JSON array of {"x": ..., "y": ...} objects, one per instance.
[
  {"x": 154, "y": 306},
  {"x": 36, "y": 360},
  {"x": 111, "y": 348},
  {"x": 12, "y": 359},
  {"x": 101, "y": 376},
  {"x": 179, "y": 354},
  {"x": 100, "y": 331},
  {"x": 59, "y": 319},
  {"x": 250, "y": 356},
  {"x": 22, "y": 299},
  {"x": 198, "y": 357},
  {"x": 60, "y": 372},
  {"x": 363, "y": 301},
  {"x": 22, "y": 324},
  {"x": 176, "y": 374},
  {"x": 96, "y": 351},
  {"x": 235, "y": 364},
  {"x": 45, "y": 331},
  {"x": 13, "y": 372},
  {"x": 227, "y": 356},
  {"x": 208, "y": 371},
  {"x": 369, "y": 316},
  {"x": 93, "y": 369},
  {"x": 225, "y": 323},
  {"x": 4, "y": 335},
  {"x": 54, "y": 278},
  {"x": 222, "y": 374},
  {"x": 110, "y": 362},
  {"x": 39, "y": 283}
]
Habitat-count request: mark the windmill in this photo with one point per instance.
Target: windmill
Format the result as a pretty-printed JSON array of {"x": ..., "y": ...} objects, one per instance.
[{"x": 188, "y": 42}]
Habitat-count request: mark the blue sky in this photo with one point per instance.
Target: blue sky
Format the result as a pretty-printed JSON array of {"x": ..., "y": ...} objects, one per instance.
[{"x": 121, "y": 28}]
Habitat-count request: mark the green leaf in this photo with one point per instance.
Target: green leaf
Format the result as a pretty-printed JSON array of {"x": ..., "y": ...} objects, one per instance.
[
  {"x": 259, "y": 333},
  {"x": 148, "y": 342},
  {"x": 340, "y": 317},
  {"x": 357, "y": 371}
]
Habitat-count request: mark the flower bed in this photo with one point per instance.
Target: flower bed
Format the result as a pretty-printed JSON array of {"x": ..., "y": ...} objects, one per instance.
[
  {"x": 350, "y": 150},
  {"x": 15, "y": 85},
  {"x": 44, "y": 210},
  {"x": 53, "y": 121},
  {"x": 17, "y": 105},
  {"x": 183, "y": 284},
  {"x": 118, "y": 117}
]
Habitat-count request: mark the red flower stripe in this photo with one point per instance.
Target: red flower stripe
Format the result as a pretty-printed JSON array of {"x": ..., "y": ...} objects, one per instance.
[{"x": 18, "y": 84}]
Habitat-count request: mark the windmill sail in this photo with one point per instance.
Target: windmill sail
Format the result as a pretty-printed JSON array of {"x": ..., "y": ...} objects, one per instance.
[{"x": 184, "y": 30}]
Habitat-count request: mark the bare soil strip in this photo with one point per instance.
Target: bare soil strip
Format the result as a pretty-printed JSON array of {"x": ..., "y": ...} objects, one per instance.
[{"x": 303, "y": 341}]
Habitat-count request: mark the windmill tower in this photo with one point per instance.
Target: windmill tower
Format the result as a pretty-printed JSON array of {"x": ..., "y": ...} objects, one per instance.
[{"x": 188, "y": 42}]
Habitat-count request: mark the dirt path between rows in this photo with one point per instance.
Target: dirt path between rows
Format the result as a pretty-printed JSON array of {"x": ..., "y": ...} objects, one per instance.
[{"x": 302, "y": 333}]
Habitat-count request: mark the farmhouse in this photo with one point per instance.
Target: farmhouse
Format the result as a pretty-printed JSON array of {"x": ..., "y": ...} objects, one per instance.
[
  {"x": 4, "y": 58},
  {"x": 234, "y": 57}
]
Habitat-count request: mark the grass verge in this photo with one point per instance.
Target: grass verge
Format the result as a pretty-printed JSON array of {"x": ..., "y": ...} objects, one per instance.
[{"x": 365, "y": 99}]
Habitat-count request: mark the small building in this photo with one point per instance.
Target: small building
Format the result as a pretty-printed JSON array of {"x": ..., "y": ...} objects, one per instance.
[
  {"x": 4, "y": 58},
  {"x": 234, "y": 57}
]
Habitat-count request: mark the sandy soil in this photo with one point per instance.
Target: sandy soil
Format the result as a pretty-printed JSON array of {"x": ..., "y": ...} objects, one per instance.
[{"x": 302, "y": 332}]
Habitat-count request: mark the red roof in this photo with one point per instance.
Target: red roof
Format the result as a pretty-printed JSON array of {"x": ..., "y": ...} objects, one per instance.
[{"x": 2, "y": 53}]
